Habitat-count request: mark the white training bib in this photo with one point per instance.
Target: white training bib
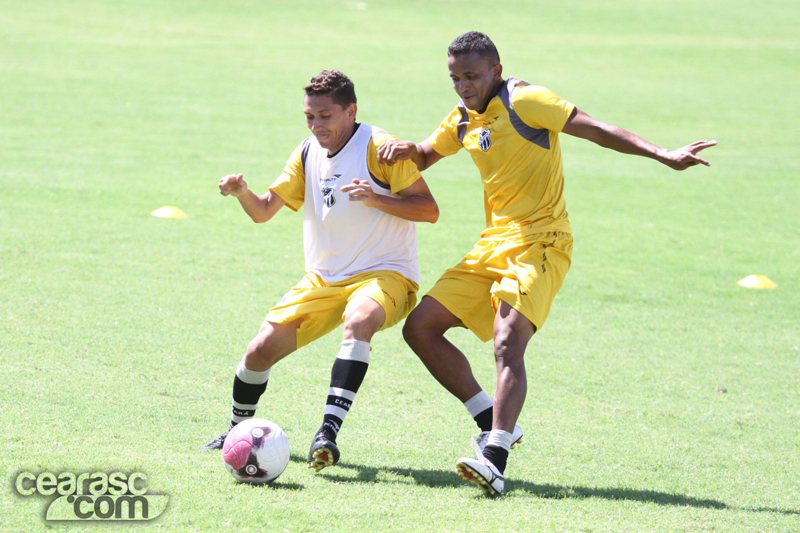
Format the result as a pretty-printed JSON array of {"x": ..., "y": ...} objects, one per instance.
[{"x": 343, "y": 238}]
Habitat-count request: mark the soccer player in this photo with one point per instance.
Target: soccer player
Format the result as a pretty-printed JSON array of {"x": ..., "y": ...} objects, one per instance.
[
  {"x": 360, "y": 244},
  {"x": 503, "y": 288}
]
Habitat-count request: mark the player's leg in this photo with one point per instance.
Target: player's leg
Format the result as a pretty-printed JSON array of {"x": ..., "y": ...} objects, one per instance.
[
  {"x": 524, "y": 302},
  {"x": 459, "y": 298},
  {"x": 308, "y": 311},
  {"x": 424, "y": 332},
  {"x": 363, "y": 317},
  {"x": 524, "y": 296},
  {"x": 272, "y": 343},
  {"x": 512, "y": 331},
  {"x": 375, "y": 300}
]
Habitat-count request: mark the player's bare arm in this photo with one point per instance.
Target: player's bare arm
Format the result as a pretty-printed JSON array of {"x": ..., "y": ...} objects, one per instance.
[
  {"x": 609, "y": 136},
  {"x": 416, "y": 203},
  {"x": 395, "y": 150},
  {"x": 260, "y": 208}
]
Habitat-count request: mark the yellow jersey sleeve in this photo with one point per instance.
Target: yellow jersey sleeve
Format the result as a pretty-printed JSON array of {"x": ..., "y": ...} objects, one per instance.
[
  {"x": 291, "y": 184},
  {"x": 399, "y": 176},
  {"x": 541, "y": 108},
  {"x": 445, "y": 139}
]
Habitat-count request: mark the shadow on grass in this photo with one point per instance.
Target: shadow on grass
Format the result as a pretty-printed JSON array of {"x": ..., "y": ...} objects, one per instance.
[
  {"x": 444, "y": 478},
  {"x": 278, "y": 485},
  {"x": 637, "y": 495},
  {"x": 275, "y": 485},
  {"x": 368, "y": 474}
]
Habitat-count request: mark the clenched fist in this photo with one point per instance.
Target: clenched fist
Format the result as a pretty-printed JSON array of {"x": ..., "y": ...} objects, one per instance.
[{"x": 232, "y": 185}]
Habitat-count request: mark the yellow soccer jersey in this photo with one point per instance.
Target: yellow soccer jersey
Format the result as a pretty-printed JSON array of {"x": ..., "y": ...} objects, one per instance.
[
  {"x": 515, "y": 145},
  {"x": 290, "y": 185}
]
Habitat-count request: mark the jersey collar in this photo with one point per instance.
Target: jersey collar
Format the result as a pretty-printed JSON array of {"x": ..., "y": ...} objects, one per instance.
[{"x": 331, "y": 156}]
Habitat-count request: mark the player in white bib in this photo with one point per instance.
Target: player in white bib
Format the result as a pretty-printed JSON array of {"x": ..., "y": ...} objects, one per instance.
[{"x": 360, "y": 244}]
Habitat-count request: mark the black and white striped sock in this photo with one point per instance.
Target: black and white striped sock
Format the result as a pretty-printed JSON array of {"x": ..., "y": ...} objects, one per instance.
[
  {"x": 248, "y": 386},
  {"x": 347, "y": 374}
]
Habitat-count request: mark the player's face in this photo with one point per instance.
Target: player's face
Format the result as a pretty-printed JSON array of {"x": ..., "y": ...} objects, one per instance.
[
  {"x": 330, "y": 123},
  {"x": 475, "y": 79}
]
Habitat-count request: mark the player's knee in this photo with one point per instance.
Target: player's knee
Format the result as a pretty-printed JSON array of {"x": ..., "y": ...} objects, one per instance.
[
  {"x": 265, "y": 350},
  {"x": 509, "y": 346},
  {"x": 511, "y": 336},
  {"x": 413, "y": 329},
  {"x": 362, "y": 324},
  {"x": 257, "y": 356},
  {"x": 408, "y": 333}
]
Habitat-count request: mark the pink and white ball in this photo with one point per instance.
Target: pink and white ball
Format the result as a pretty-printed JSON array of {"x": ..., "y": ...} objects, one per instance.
[{"x": 256, "y": 451}]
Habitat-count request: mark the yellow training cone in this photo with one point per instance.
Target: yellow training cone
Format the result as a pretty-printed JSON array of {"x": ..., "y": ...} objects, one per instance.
[
  {"x": 757, "y": 281},
  {"x": 168, "y": 211}
]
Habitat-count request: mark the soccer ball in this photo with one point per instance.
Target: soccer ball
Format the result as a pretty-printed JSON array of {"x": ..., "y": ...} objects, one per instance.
[{"x": 256, "y": 451}]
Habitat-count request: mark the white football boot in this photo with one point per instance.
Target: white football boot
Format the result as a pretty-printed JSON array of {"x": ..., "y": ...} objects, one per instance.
[{"x": 480, "y": 471}]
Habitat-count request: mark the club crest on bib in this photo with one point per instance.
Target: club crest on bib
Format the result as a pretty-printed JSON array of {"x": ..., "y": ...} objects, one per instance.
[
  {"x": 327, "y": 196},
  {"x": 327, "y": 188},
  {"x": 485, "y": 140}
]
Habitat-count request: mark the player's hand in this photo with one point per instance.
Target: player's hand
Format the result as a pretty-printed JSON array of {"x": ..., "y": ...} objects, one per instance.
[
  {"x": 360, "y": 191},
  {"x": 686, "y": 157},
  {"x": 395, "y": 150},
  {"x": 232, "y": 185}
]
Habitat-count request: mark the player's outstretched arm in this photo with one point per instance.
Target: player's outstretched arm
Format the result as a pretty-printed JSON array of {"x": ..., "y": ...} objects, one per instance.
[
  {"x": 260, "y": 208},
  {"x": 416, "y": 203},
  {"x": 609, "y": 136},
  {"x": 395, "y": 150}
]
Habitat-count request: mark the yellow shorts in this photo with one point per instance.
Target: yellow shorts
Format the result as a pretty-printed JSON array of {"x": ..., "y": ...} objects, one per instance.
[
  {"x": 526, "y": 274},
  {"x": 321, "y": 305}
]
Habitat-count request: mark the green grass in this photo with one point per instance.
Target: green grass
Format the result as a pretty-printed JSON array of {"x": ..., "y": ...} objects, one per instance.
[{"x": 662, "y": 396}]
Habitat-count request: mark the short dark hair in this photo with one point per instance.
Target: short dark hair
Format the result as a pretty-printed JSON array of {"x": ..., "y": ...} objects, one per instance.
[
  {"x": 474, "y": 42},
  {"x": 335, "y": 83}
]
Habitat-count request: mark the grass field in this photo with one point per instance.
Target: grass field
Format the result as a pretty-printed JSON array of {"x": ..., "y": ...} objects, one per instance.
[{"x": 663, "y": 397}]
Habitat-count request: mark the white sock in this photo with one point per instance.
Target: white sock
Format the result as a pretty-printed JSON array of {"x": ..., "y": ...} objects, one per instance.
[
  {"x": 499, "y": 438},
  {"x": 254, "y": 377},
  {"x": 478, "y": 403},
  {"x": 354, "y": 350}
]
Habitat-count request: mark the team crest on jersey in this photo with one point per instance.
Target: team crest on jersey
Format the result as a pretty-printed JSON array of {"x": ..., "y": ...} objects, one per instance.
[
  {"x": 327, "y": 187},
  {"x": 484, "y": 140},
  {"x": 327, "y": 196}
]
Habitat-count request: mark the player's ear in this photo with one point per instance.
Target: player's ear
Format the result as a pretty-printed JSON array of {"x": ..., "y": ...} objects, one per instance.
[
  {"x": 352, "y": 110},
  {"x": 497, "y": 71}
]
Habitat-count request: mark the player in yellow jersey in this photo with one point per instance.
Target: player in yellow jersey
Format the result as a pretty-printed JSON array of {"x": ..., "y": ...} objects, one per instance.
[
  {"x": 504, "y": 287},
  {"x": 360, "y": 244}
]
